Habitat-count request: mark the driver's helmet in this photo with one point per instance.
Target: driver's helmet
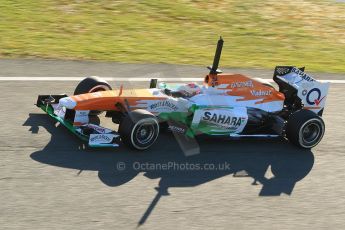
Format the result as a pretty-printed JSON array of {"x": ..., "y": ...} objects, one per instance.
[{"x": 189, "y": 89}]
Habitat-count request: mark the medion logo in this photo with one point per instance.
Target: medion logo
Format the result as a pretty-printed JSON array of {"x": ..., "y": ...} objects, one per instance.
[
  {"x": 242, "y": 84},
  {"x": 260, "y": 93},
  {"x": 163, "y": 104},
  {"x": 222, "y": 119}
]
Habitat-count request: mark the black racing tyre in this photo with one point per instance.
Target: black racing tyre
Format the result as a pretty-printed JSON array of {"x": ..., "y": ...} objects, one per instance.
[
  {"x": 139, "y": 129},
  {"x": 164, "y": 127},
  {"x": 305, "y": 128},
  {"x": 91, "y": 85}
]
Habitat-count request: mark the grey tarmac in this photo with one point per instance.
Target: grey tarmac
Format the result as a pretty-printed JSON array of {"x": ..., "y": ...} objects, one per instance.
[{"x": 50, "y": 180}]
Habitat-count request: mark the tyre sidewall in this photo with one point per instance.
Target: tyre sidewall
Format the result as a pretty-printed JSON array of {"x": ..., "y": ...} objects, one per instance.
[
  {"x": 135, "y": 142},
  {"x": 91, "y": 84},
  {"x": 317, "y": 121},
  {"x": 129, "y": 124},
  {"x": 296, "y": 124}
]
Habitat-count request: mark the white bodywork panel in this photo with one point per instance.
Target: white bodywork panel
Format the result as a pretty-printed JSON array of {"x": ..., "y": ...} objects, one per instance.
[
  {"x": 233, "y": 101},
  {"x": 312, "y": 93},
  {"x": 67, "y": 102},
  {"x": 59, "y": 110},
  {"x": 81, "y": 116},
  {"x": 221, "y": 119}
]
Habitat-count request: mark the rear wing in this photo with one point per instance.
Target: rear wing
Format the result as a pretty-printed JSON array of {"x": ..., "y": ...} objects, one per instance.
[{"x": 294, "y": 82}]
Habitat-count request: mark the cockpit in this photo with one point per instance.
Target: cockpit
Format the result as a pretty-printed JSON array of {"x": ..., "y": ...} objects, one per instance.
[{"x": 184, "y": 90}]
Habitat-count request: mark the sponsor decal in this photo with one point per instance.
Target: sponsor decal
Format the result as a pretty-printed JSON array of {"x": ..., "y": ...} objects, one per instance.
[
  {"x": 222, "y": 119},
  {"x": 259, "y": 93},
  {"x": 282, "y": 70},
  {"x": 81, "y": 116},
  {"x": 242, "y": 84},
  {"x": 304, "y": 92},
  {"x": 83, "y": 112},
  {"x": 101, "y": 138},
  {"x": 316, "y": 100},
  {"x": 177, "y": 129},
  {"x": 164, "y": 103},
  {"x": 216, "y": 120},
  {"x": 98, "y": 129},
  {"x": 303, "y": 75}
]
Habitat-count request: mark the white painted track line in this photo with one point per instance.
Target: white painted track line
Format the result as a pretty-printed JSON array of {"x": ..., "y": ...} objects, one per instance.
[{"x": 134, "y": 79}]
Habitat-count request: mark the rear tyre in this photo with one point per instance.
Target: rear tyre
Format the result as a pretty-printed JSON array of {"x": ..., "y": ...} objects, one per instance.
[
  {"x": 305, "y": 129},
  {"x": 91, "y": 85},
  {"x": 139, "y": 129}
]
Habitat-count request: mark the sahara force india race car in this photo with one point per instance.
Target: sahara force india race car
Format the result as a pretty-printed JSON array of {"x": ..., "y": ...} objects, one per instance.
[{"x": 231, "y": 105}]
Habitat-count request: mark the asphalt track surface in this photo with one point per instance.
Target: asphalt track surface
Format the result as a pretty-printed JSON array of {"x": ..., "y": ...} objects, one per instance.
[{"x": 49, "y": 180}]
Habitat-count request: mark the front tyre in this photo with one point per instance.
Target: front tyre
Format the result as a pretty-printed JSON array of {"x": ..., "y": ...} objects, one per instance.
[
  {"x": 92, "y": 85},
  {"x": 305, "y": 128},
  {"x": 139, "y": 129}
]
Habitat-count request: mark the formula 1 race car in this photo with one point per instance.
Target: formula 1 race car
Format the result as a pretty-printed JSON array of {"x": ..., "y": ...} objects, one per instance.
[{"x": 231, "y": 105}]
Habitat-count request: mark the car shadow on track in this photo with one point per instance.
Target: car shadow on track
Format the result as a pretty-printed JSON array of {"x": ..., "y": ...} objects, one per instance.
[{"x": 251, "y": 158}]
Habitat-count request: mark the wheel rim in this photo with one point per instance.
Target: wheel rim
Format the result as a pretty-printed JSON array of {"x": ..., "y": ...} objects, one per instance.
[
  {"x": 311, "y": 133},
  {"x": 145, "y": 133}
]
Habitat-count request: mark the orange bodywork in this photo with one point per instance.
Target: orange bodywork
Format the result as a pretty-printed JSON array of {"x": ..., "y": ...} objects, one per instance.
[
  {"x": 243, "y": 86},
  {"x": 107, "y": 100},
  {"x": 233, "y": 84}
]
